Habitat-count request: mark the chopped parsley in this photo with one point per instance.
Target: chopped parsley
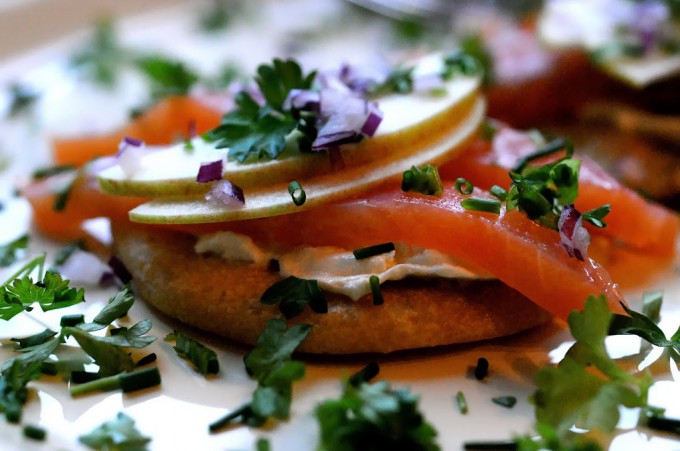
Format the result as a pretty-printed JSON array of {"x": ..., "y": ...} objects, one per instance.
[
  {"x": 425, "y": 180},
  {"x": 374, "y": 417},
  {"x": 10, "y": 252},
  {"x": 204, "y": 359},
  {"x": 294, "y": 294},
  {"x": 218, "y": 16},
  {"x": 102, "y": 58},
  {"x": 254, "y": 131},
  {"x": 168, "y": 76},
  {"x": 271, "y": 364},
  {"x": 118, "y": 434}
]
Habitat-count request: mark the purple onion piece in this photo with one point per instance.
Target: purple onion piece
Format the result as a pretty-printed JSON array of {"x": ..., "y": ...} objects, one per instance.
[
  {"x": 210, "y": 171},
  {"x": 328, "y": 140},
  {"x": 373, "y": 120},
  {"x": 575, "y": 238},
  {"x": 427, "y": 82},
  {"x": 225, "y": 194},
  {"x": 303, "y": 99},
  {"x": 129, "y": 142}
]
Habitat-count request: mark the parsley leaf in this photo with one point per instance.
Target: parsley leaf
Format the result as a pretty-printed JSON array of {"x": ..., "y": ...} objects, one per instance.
[
  {"x": 118, "y": 434},
  {"x": 168, "y": 76},
  {"x": 52, "y": 292},
  {"x": 261, "y": 131},
  {"x": 13, "y": 391},
  {"x": 294, "y": 294},
  {"x": 644, "y": 327},
  {"x": 111, "y": 359},
  {"x": 586, "y": 388},
  {"x": 10, "y": 252},
  {"x": 374, "y": 417},
  {"x": 34, "y": 354},
  {"x": 203, "y": 358},
  {"x": 117, "y": 307},
  {"x": 21, "y": 99},
  {"x": 596, "y": 215},
  {"x": 101, "y": 59},
  {"x": 271, "y": 364}
]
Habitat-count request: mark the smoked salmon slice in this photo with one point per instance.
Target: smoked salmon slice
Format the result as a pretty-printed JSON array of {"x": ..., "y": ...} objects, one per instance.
[
  {"x": 633, "y": 221},
  {"x": 162, "y": 124},
  {"x": 519, "y": 252}
]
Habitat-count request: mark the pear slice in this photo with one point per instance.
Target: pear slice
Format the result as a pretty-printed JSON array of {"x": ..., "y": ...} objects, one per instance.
[
  {"x": 410, "y": 122},
  {"x": 275, "y": 200}
]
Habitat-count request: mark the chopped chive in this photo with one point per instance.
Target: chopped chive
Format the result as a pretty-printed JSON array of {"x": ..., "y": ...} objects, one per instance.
[
  {"x": 230, "y": 418},
  {"x": 117, "y": 330},
  {"x": 127, "y": 382},
  {"x": 35, "y": 339},
  {"x": 464, "y": 186},
  {"x": 71, "y": 320},
  {"x": 49, "y": 368},
  {"x": 481, "y": 204},
  {"x": 273, "y": 265},
  {"x": 371, "y": 251},
  {"x": 550, "y": 148},
  {"x": 34, "y": 432},
  {"x": 374, "y": 281},
  {"x": 461, "y": 402},
  {"x": 42, "y": 173},
  {"x": 505, "y": 401},
  {"x": 365, "y": 374},
  {"x": 297, "y": 193},
  {"x": 482, "y": 368},
  {"x": 263, "y": 444},
  {"x": 499, "y": 192},
  {"x": 596, "y": 215},
  {"x": 424, "y": 181},
  {"x": 661, "y": 423},
  {"x": 83, "y": 377},
  {"x": 150, "y": 358},
  {"x": 506, "y": 445}
]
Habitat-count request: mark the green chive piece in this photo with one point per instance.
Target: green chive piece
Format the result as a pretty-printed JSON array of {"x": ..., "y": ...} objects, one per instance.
[
  {"x": 263, "y": 444},
  {"x": 365, "y": 374},
  {"x": 505, "y": 401},
  {"x": 34, "y": 432},
  {"x": 461, "y": 402},
  {"x": 230, "y": 418},
  {"x": 464, "y": 186},
  {"x": 661, "y": 423},
  {"x": 374, "y": 281},
  {"x": 596, "y": 215},
  {"x": 425, "y": 180},
  {"x": 297, "y": 193},
  {"x": 371, "y": 251},
  {"x": 552, "y": 147},
  {"x": 71, "y": 320},
  {"x": 482, "y": 368},
  {"x": 499, "y": 192},
  {"x": 481, "y": 204},
  {"x": 82, "y": 377},
  {"x": 127, "y": 382},
  {"x": 505, "y": 445}
]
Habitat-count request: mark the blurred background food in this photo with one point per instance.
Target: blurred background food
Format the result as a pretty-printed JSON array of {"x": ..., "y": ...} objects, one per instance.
[{"x": 603, "y": 72}]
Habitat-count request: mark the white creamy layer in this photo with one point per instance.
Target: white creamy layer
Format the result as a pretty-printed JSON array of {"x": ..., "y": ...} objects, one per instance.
[{"x": 336, "y": 269}]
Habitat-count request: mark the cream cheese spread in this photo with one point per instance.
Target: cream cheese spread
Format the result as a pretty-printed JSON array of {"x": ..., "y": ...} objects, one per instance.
[{"x": 336, "y": 269}]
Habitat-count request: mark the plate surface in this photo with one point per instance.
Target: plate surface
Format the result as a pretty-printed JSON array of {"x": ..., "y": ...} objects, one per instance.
[{"x": 176, "y": 415}]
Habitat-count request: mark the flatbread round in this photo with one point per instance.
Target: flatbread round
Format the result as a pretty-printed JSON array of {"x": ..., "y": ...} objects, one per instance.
[{"x": 223, "y": 297}]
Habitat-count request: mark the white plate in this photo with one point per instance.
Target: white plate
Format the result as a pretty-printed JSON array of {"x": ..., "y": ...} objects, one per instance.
[{"x": 177, "y": 415}]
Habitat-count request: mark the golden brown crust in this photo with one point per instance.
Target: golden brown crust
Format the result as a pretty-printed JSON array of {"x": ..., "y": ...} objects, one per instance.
[{"x": 220, "y": 297}]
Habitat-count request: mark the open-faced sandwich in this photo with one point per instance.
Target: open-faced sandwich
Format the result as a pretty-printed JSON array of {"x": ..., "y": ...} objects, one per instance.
[{"x": 318, "y": 198}]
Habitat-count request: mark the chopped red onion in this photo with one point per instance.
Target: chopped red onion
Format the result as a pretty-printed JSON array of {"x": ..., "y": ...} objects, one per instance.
[
  {"x": 129, "y": 142},
  {"x": 226, "y": 194},
  {"x": 372, "y": 121},
  {"x": 575, "y": 238},
  {"x": 210, "y": 171},
  {"x": 303, "y": 99},
  {"x": 83, "y": 268}
]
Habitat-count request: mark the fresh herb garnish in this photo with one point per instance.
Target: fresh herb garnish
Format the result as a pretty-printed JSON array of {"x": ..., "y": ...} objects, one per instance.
[
  {"x": 498, "y": 192},
  {"x": 376, "y": 292},
  {"x": 10, "y": 252},
  {"x": 218, "y": 16},
  {"x": 21, "y": 99},
  {"x": 34, "y": 340},
  {"x": 425, "y": 180},
  {"x": 644, "y": 327},
  {"x": 258, "y": 131},
  {"x": 271, "y": 364},
  {"x": 13, "y": 391},
  {"x": 71, "y": 320},
  {"x": 49, "y": 171},
  {"x": 586, "y": 388},
  {"x": 297, "y": 193},
  {"x": 596, "y": 215},
  {"x": 482, "y": 368},
  {"x": 294, "y": 294},
  {"x": 481, "y": 204},
  {"x": 34, "y": 432},
  {"x": 118, "y": 434},
  {"x": 127, "y": 382},
  {"x": 103, "y": 57},
  {"x": 505, "y": 401},
  {"x": 472, "y": 57},
  {"x": 168, "y": 76},
  {"x": 204, "y": 359},
  {"x": 461, "y": 402},
  {"x": 374, "y": 417},
  {"x": 464, "y": 186},
  {"x": 365, "y": 374},
  {"x": 371, "y": 251},
  {"x": 117, "y": 307}
]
